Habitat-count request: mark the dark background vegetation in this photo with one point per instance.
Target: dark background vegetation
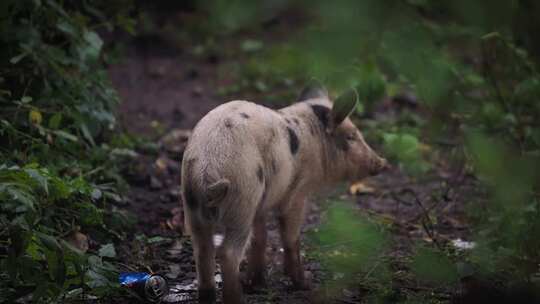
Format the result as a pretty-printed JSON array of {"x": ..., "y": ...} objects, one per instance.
[{"x": 448, "y": 93}]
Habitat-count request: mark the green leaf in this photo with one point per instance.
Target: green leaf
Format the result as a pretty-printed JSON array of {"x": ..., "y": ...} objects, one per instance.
[
  {"x": 435, "y": 267},
  {"x": 20, "y": 239},
  {"x": 65, "y": 135},
  {"x": 39, "y": 178},
  {"x": 90, "y": 215},
  {"x": 405, "y": 148},
  {"x": 350, "y": 243},
  {"x": 86, "y": 133},
  {"x": 72, "y": 254},
  {"x": 67, "y": 28},
  {"x": 42, "y": 290},
  {"x": 94, "y": 44},
  {"x": 48, "y": 241},
  {"x": 157, "y": 239},
  {"x": 26, "y": 99},
  {"x": 107, "y": 251},
  {"x": 95, "y": 279},
  {"x": 251, "y": 45},
  {"x": 96, "y": 194},
  {"x": 55, "y": 121},
  {"x": 52, "y": 258},
  {"x": 27, "y": 199},
  {"x": 33, "y": 250},
  {"x": 16, "y": 59}
]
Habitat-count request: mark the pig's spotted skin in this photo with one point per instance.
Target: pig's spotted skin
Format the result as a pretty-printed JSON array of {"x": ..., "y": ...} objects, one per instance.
[
  {"x": 244, "y": 115},
  {"x": 312, "y": 130},
  {"x": 322, "y": 113},
  {"x": 260, "y": 173},
  {"x": 273, "y": 166},
  {"x": 294, "y": 142}
]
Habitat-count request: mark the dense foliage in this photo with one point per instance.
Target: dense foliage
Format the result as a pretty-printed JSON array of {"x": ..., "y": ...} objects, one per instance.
[{"x": 58, "y": 174}]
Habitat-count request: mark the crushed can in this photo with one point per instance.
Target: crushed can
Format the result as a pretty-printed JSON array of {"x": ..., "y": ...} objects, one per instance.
[{"x": 151, "y": 287}]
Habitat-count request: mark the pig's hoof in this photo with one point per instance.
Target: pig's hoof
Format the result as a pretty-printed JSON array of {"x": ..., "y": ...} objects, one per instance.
[
  {"x": 234, "y": 300},
  {"x": 301, "y": 285},
  {"x": 207, "y": 296}
]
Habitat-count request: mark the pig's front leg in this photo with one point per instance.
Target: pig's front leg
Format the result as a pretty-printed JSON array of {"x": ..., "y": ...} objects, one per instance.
[
  {"x": 291, "y": 218},
  {"x": 257, "y": 256}
]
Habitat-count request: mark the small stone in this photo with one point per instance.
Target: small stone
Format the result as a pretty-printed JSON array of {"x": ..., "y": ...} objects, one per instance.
[
  {"x": 192, "y": 73},
  {"x": 156, "y": 70},
  {"x": 197, "y": 91},
  {"x": 347, "y": 293},
  {"x": 155, "y": 184},
  {"x": 174, "y": 271},
  {"x": 174, "y": 194}
]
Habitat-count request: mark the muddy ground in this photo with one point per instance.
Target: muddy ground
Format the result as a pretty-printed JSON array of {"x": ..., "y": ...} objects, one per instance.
[{"x": 165, "y": 90}]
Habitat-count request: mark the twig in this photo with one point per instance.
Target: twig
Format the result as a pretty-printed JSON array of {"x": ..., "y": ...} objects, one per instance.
[
  {"x": 372, "y": 268},
  {"x": 131, "y": 268},
  {"x": 427, "y": 224},
  {"x": 416, "y": 218},
  {"x": 489, "y": 72},
  {"x": 94, "y": 171},
  {"x": 438, "y": 294}
]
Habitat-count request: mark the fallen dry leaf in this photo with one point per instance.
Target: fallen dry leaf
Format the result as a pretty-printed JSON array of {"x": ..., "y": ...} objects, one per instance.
[
  {"x": 425, "y": 148},
  {"x": 176, "y": 222},
  {"x": 161, "y": 164},
  {"x": 175, "y": 141},
  {"x": 78, "y": 240},
  {"x": 361, "y": 188}
]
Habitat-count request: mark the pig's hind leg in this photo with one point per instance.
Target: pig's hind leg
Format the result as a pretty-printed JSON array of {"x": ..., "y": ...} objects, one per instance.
[
  {"x": 202, "y": 236},
  {"x": 256, "y": 255},
  {"x": 230, "y": 255}
]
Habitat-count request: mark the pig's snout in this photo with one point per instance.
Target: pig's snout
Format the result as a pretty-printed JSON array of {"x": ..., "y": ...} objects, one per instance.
[{"x": 379, "y": 165}]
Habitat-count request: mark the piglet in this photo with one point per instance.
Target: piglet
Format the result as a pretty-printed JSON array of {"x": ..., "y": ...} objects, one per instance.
[{"x": 244, "y": 159}]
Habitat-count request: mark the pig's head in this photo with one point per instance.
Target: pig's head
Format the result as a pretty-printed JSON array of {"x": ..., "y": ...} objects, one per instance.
[{"x": 348, "y": 155}]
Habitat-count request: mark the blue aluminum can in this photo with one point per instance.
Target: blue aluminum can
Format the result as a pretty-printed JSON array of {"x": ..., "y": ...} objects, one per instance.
[{"x": 151, "y": 287}]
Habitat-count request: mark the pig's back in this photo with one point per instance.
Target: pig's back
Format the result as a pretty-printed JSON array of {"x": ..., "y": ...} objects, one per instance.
[
  {"x": 232, "y": 128},
  {"x": 234, "y": 141}
]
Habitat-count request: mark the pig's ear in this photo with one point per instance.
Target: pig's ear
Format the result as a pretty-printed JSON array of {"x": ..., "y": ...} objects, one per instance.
[
  {"x": 313, "y": 89},
  {"x": 343, "y": 106}
]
